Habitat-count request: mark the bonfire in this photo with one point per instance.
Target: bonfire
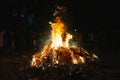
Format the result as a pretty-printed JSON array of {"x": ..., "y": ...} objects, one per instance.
[{"x": 57, "y": 50}]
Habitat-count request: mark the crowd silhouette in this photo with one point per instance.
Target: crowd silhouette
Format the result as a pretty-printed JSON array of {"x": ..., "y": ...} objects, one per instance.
[
  {"x": 24, "y": 40},
  {"x": 19, "y": 40}
]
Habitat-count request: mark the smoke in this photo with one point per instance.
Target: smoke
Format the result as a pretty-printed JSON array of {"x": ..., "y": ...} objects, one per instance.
[{"x": 59, "y": 11}]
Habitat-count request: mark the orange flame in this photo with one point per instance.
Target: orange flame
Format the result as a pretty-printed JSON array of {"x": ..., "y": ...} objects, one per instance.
[
  {"x": 59, "y": 36},
  {"x": 58, "y": 51}
]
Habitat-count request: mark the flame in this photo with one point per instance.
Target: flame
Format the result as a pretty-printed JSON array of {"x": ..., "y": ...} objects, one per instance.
[
  {"x": 59, "y": 36},
  {"x": 58, "y": 51}
]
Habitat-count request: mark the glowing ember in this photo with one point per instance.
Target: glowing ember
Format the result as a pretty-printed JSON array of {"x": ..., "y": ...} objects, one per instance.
[{"x": 58, "y": 51}]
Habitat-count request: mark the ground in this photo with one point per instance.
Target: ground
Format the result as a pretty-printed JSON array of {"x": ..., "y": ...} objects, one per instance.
[{"x": 16, "y": 66}]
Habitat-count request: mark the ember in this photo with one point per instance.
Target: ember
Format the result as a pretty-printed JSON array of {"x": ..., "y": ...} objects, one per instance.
[{"x": 58, "y": 50}]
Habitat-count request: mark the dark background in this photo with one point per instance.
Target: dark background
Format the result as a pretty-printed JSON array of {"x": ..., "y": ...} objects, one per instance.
[
  {"x": 14, "y": 13},
  {"x": 100, "y": 17}
]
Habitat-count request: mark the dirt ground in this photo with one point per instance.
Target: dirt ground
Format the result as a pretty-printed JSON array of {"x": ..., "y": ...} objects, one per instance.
[{"x": 16, "y": 66}]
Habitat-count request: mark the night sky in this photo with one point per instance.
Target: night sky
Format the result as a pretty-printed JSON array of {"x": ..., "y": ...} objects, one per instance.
[{"x": 36, "y": 13}]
